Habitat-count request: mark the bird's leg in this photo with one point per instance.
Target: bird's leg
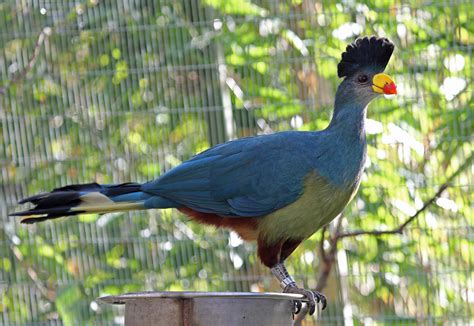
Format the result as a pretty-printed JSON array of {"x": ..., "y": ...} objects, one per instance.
[
  {"x": 288, "y": 285},
  {"x": 280, "y": 272}
]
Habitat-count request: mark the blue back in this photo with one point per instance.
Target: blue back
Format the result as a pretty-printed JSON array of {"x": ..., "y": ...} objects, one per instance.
[{"x": 258, "y": 175}]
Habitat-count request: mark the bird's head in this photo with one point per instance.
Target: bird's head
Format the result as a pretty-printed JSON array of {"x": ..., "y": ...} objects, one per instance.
[{"x": 362, "y": 67}]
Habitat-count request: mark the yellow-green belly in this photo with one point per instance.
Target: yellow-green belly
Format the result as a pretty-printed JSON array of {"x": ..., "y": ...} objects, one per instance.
[{"x": 319, "y": 204}]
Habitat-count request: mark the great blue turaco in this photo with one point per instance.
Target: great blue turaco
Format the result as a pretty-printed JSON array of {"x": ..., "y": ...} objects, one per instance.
[{"x": 274, "y": 189}]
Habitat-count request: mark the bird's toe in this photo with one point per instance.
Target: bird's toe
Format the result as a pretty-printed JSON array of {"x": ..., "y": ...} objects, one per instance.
[
  {"x": 297, "y": 307},
  {"x": 313, "y": 298}
]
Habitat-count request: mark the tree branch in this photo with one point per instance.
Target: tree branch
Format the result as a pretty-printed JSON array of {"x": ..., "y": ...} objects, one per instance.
[
  {"x": 31, "y": 272},
  {"x": 426, "y": 204},
  {"x": 44, "y": 34},
  {"x": 328, "y": 257},
  {"x": 398, "y": 230},
  {"x": 322, "y": 252}
]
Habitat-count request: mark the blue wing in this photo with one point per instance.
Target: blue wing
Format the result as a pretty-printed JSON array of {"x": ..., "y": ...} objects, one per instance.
[{"x": 246, "y": 177}]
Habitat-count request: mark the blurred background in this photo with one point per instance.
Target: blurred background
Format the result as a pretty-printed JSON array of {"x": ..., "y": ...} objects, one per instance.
[{"x": 117, "y": 91}]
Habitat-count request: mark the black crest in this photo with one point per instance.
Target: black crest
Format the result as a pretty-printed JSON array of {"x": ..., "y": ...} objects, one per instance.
[{"x": 365, "y": 52}]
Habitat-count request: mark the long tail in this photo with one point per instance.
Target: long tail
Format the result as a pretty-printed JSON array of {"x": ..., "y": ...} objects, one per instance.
[{"x": 80, "y": 199}]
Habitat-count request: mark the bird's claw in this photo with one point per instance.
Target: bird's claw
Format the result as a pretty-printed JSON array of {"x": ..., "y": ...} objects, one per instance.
[
  {"x": 313, "y": 297},
  {"x": 297, "y": 307}
]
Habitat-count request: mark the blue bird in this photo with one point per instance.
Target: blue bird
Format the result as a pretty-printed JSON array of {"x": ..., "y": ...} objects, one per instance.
[{"x": 276, "y": 189}]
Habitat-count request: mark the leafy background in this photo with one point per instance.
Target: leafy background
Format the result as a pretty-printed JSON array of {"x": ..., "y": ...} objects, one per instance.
[{"x": 125, "y": 90}]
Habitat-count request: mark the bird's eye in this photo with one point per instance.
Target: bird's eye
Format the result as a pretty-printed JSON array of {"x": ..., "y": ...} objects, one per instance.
[{"x": 362, "y": 78}]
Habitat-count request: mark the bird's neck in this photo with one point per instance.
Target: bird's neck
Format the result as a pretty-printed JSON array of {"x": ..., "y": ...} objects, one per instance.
[
  {"x": 346, "y": 142},
  {"x": 349, "y": 119}
]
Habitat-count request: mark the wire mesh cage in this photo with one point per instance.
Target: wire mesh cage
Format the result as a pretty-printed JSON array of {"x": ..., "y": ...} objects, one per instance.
[{"x": 117, "y": 91}]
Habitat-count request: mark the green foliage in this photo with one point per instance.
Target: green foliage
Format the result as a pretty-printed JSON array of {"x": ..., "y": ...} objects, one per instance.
[{"x": 124, "y": 91}]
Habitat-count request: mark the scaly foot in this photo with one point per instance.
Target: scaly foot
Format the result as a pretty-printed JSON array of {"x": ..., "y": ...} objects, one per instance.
[{"x": 313, "y": 297}]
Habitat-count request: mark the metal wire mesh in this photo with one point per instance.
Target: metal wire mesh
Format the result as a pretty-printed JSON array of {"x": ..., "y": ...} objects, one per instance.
[{"x": 124, "y": 90}]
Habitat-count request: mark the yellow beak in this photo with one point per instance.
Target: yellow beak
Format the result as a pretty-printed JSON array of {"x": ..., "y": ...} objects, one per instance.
[{"x": 383, "y": 84}]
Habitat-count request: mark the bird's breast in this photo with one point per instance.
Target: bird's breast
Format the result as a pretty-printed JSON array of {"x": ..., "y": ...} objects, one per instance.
[
  {"x": 319, "y": 203},
  {"x": 340, "y": 159}
]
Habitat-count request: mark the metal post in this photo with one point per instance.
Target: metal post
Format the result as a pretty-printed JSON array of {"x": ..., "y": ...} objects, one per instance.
[{"x": 205, "y": 308}]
